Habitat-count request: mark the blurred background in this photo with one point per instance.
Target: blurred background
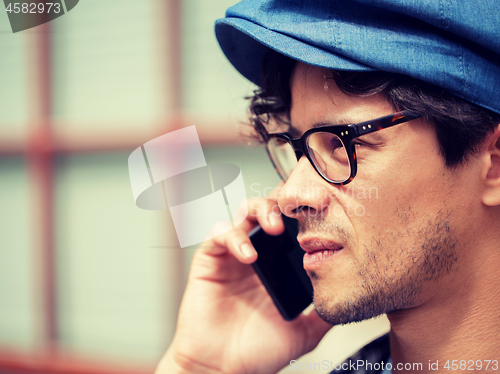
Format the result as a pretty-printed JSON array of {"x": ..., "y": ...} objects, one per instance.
[{"x": 89, "y": 283}]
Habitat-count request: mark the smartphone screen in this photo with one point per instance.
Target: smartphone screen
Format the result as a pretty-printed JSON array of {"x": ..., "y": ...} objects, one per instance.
[{"x": 279, "y": 266}]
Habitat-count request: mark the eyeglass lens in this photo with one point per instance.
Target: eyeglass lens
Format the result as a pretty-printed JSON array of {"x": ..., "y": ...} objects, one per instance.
[
  {"x": 326, "y": 151},
  {"x": 283, "y": 156}
]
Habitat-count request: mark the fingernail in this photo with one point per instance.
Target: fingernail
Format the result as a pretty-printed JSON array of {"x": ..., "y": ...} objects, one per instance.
[{"x": 246, "y": 250}]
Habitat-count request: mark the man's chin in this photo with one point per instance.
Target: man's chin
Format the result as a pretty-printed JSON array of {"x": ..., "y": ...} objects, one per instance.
[
  {"x": 350, "y": 310},
  {"x": 336, "y": 316}
]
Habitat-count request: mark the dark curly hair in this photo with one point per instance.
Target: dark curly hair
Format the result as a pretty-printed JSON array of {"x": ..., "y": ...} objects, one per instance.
[{"x": 460, "y": 125}]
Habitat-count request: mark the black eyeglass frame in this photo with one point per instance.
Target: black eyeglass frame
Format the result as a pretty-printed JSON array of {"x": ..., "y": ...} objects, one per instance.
[{"x": 346, "y": 133}]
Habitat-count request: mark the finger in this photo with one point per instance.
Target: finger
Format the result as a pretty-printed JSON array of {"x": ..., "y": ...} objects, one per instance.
[
  {"x": 274, "y": 223},
  {"x": 234, "y": 241},
  {"x": 262, "y": 211},
  {"x": 238, "y": 244},
  {"x": 266, "y": 213}
]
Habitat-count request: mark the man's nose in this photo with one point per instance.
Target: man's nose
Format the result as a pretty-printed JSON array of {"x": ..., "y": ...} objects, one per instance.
[{"x": 305, "y": 192}]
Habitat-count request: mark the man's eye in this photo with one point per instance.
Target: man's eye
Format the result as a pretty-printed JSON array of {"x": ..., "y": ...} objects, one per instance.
[
  {"x": 359, "y": 143},
  {"x": 336, "y": 143}
]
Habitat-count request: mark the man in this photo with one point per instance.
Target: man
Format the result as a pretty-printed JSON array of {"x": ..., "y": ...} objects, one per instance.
[{"x": 419, "y": 80}]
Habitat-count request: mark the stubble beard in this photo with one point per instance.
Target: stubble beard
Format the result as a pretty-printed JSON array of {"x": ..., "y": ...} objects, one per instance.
[{"x": 381, "y": 289}]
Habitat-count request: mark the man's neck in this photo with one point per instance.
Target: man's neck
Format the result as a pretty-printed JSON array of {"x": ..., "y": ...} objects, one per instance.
[{"x": 461, "y": 326}]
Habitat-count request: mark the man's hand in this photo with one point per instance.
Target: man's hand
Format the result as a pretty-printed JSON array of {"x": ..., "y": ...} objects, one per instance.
[{"x": 227, "y": 322}]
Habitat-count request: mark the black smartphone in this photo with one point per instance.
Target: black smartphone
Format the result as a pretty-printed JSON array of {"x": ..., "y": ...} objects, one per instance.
[{"x": 280, "y": 268}]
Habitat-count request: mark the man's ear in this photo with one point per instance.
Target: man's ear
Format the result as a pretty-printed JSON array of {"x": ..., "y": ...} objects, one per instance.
[{"x": 491, "y": 194}]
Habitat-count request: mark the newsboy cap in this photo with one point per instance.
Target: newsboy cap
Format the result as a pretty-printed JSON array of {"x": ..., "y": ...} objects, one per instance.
[{"x": 454, "y": 44}]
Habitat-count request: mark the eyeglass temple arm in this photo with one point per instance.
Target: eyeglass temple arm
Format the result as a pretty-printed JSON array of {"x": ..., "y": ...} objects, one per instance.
[{"x": 384, "y": 122}]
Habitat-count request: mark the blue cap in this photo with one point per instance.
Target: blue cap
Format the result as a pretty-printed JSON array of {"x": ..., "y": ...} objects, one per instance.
[{"x": 454, "y": 44}]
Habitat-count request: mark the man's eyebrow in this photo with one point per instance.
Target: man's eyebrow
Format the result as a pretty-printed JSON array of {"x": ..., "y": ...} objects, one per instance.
[{"x": 342, "y": 121}]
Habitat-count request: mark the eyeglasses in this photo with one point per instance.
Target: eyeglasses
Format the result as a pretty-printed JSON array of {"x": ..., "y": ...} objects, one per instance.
[{"x": 330, "y": 149}]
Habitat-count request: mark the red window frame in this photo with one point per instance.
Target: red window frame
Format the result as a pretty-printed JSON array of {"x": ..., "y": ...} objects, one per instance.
[{"x": 39, "y": 151}]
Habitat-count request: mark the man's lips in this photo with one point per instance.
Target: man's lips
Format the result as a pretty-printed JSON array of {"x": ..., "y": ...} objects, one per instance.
[
  {"x": 311, "y": 245},
  {"x": 318, "y": 251}
]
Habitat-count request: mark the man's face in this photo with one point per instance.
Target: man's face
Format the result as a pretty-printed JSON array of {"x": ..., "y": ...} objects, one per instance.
[{"x": 392, "y": 238}]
